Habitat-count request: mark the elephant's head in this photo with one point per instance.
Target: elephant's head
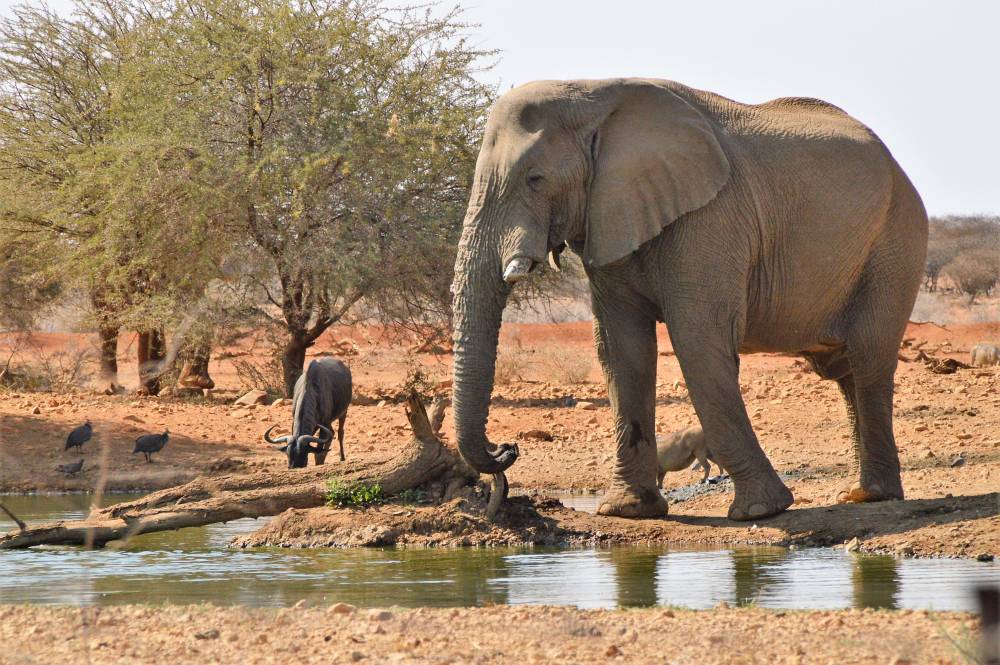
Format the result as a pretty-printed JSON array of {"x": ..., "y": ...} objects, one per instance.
[{"x": 600, "y": 165}]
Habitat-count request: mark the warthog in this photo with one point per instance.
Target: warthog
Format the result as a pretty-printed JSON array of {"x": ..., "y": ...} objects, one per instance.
[
  {"x": 680, "y": 449},
  {"x": 985, "y": 355}
]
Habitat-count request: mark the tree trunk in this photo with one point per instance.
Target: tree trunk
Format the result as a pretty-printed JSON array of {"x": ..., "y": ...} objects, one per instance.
[
  {"x": 221, "y": 499},
  {"x": 108, "y": 371},
  {"x": 152, "y": 349},
  {"x": 292, "y": 360},
  {"x": 195, "y": 371}
]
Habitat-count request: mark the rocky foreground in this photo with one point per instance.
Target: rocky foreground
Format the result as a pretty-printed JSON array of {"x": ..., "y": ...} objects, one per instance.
[{"x": 339, "y": 634}]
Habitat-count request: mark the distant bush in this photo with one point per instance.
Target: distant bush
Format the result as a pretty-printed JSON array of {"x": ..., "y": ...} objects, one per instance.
[
  {"x": 953, "y": 237},
  {"x": 975, "y": 272}
]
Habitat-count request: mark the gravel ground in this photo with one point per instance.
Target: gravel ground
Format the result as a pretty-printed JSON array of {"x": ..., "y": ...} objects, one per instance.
[{"x": 340, "y": 634}]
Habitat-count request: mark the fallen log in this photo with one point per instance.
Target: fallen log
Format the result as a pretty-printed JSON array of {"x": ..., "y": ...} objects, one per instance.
[{"x": 208, "y": 500}]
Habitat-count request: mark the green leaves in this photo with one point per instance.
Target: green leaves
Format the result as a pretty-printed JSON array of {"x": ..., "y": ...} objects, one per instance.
[{"x": 310, "y": 158}]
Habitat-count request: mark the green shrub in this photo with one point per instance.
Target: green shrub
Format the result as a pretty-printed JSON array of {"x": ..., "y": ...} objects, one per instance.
[{"x": 340, "y": 494}]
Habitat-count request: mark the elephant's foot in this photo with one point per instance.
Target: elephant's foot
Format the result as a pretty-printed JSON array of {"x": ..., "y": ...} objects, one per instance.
[
  {"x": 624, "y": 502},
  {"x": 760, "y": 498},
  {"x": 872, "y": 490}
]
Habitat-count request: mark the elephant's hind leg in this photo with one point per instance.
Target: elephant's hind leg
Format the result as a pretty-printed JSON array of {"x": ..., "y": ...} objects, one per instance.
[{"x": 873, "y": 350}]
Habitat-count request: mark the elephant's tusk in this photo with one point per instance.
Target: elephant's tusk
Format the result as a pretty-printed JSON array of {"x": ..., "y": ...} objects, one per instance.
[
  {"x": 554, "y": 257},
  {"x": 517, "y": 269},
  {"x": 498, "y": 492}
]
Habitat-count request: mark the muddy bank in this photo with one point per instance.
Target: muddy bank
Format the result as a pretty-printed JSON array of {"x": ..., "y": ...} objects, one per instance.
[
  {"x": 206, "y": 634},
  {"x": 965, "y": 526}
]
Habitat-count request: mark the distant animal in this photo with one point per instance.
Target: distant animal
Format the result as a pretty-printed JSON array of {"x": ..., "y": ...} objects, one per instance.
[
  {"x": 79, "y": 436},
  {"x": 322, "y": 395},
  {"x": 985, "y": 355},
  {"x": 151, "y": 443},
  {"x": 70, "y": 469},
  {"x": 680, "y": 449}
]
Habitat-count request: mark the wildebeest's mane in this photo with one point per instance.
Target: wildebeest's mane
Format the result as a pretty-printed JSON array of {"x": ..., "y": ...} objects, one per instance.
[{"x": 306, "y": 414}]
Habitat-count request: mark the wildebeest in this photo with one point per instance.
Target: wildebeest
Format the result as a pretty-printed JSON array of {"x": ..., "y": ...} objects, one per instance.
[
  {"x": 148, "y": 444},
  {"x": 322, "y": 395},
  {"x": 79, "y": 436}
]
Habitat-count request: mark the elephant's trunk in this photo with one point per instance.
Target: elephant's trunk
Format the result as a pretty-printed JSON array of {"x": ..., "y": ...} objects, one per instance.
[{"x": 480, "y": 297}]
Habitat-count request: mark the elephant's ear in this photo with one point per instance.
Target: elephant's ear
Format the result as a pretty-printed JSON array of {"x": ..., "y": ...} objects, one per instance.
[{"x": 655, "y": 158}]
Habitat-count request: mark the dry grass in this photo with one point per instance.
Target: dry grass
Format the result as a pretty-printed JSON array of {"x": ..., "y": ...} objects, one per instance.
[
  {"x": 512, "y": 363},
  {"x": 567, "y": 366}
]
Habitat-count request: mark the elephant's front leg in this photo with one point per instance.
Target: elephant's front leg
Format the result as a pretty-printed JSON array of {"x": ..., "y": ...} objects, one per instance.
[
  {"x": 626, "y": 346},
  {"x": 708, "y": 358}
]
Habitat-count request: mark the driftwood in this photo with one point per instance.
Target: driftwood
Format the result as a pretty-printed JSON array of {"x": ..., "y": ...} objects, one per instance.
[{"x": 210, "y": 500}]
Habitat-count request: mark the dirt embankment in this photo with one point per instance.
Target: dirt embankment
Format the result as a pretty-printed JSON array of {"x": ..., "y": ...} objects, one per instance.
[
  {"x": 966, "y": 526},
  {"x": 947, "y": 429},
  {"x": 206, "y": 634}
]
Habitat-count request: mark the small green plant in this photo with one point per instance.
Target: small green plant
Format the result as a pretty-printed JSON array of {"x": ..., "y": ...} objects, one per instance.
[
  {"x": 339, "y": 493},
  {"x": 412, "y": 495}
]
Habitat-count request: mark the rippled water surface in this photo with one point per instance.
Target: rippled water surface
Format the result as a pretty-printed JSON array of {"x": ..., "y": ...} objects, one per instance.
[{"x": 194, "y": 565}]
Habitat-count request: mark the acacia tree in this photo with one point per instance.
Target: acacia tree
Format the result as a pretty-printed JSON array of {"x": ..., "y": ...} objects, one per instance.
[
  {"x": 348, "y": 133},
  {"x": 99, "y": 196}
]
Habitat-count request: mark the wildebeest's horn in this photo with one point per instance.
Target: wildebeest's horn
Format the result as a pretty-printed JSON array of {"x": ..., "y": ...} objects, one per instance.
[
  {"x": 327, "y": 437},
  {"x": 279, "y": 440}
]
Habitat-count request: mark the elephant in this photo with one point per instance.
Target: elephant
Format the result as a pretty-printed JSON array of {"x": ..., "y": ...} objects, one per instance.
[
  {"x": 984, "y": 355},
  {"x": 785, "y": 226},
  {"x": 679, "y": 450}
]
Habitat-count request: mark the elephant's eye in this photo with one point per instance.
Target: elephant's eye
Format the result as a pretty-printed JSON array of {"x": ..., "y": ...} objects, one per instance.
[{"x": 535, "y": 181}]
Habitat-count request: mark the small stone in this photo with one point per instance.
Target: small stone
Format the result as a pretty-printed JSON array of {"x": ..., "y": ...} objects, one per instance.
[
  {"x": 537, "y": 434},
  {"x": 252, "y": 397},
  {"x": 36, "y": 411},
  {"x": 133, "y": 418},
  {"x": 852, "y": 545},
  {"x": 586, "y": 406},
  {"x": 356, "y": 656},
  {"x": 964, "y": 436},
  {"x": 210, "y": 634},
  {"x": 613, "y": 651},
  {"x": 957, "y": 462},
  {"x": 342, "y": 608},
  {"x": 985, "y": 557},
  {"x": 920, "y": 428},
  {"x": 379, "y": 615},
  {"x": 928, "y": 453}
]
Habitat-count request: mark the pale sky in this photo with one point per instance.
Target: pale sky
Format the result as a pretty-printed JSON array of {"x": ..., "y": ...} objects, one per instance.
[{"x": 924, "y": 74}]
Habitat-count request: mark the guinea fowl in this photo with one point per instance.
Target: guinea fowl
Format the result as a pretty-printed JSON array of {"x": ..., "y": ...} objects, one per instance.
[
  {"x": 150, "y": 443},
  {"x": 79, "y": 436},
  {"x": 70, "y": 469}
]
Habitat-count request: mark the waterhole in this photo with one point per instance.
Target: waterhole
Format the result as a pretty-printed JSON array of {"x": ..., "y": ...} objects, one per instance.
[{"x": 194, "y": 565}]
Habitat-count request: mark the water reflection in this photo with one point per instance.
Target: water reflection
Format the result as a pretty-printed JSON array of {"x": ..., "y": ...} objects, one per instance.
[
  {"x": 194, "y": 565},
  {"x": 875, "y": 582}
]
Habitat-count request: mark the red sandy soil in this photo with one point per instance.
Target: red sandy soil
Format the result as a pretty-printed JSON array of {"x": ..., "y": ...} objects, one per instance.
[
  {"x": 339, "y": 633},
  {"x": 799, "y": 418}
]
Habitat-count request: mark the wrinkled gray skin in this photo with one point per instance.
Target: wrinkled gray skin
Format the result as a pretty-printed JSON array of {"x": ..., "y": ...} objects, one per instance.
[
  {"x": 984, "y": 355},
  {"x": 322, "y": 394},
  {"x": 785, "y": 226},
  {"x": 678, "y": 450}
]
